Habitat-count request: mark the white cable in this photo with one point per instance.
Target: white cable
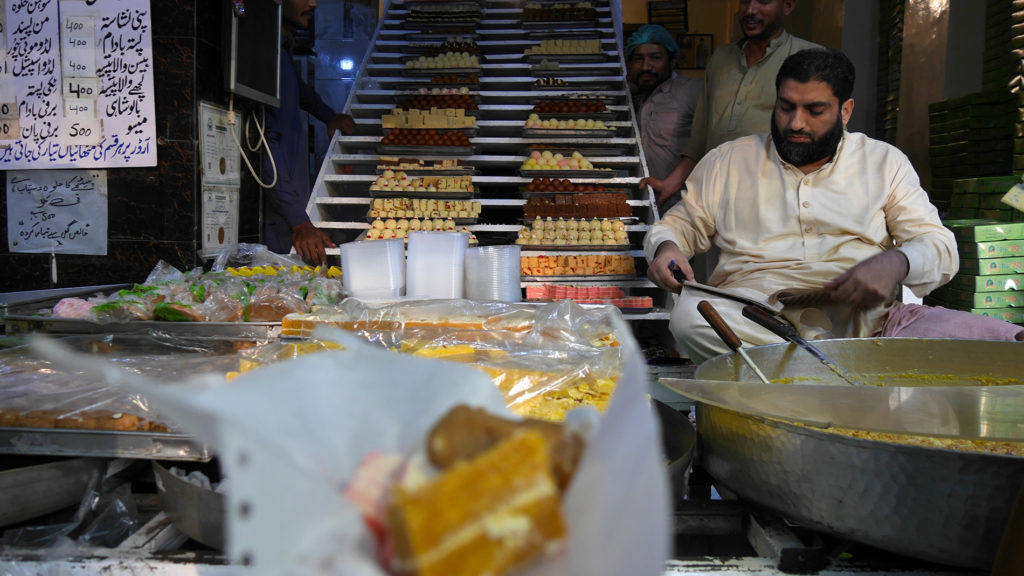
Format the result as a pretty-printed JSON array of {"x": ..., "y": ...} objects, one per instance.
[{"x": 260, "y": 144}]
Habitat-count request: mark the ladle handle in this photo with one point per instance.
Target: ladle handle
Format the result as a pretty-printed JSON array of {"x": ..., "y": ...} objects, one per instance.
[
  {"x": 718, "y": 324},
  {"x": 778, "y": 327}
]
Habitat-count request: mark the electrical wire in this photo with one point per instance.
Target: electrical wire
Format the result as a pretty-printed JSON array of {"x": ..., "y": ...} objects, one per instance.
[{"x": 260, "y": 144}]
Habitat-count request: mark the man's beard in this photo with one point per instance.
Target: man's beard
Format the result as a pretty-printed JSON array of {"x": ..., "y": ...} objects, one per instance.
[{"x": 804, "y": 153}]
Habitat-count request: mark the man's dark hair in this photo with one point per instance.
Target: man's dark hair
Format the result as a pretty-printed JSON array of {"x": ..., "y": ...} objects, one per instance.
[{"x": 829, "y": 66}]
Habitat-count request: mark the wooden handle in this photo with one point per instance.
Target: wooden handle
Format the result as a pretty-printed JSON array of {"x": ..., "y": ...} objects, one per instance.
[
  {"x": 778, "y": 327},
  {"x": 721, "y": 328}
]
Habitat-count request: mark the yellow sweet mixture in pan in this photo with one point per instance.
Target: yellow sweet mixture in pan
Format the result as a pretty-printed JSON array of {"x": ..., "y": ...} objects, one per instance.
[{"x": 984, "y": 446}]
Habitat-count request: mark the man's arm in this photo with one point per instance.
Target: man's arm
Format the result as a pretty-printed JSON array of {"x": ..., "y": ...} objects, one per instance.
[{"x": 671, "y": 184}]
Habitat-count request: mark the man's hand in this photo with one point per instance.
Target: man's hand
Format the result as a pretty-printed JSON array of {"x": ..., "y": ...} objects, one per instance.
[
  {"x": 342, "y": 122},
  {"x": 671, "y": 184},
  {"x": 309, "y": 242},
  {"x": 872, "y": 282},
  {"x": 668, "y": 258}
]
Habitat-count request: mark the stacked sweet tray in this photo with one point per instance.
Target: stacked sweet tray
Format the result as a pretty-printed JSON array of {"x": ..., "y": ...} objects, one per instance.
[{"x": 56, "y": 410}]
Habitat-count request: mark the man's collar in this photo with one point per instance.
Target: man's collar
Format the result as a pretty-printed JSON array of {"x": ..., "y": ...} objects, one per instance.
[
  {"x": 774, "y": 154},
  {"x": 773, "y": 45}
]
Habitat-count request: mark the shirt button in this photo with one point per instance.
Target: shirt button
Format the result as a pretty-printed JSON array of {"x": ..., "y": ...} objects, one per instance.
[{"x": 806, "y": 204}]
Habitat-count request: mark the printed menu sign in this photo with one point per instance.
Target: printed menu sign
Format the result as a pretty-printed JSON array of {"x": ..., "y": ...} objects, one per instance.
[
  {"x": 76, "y": 84},
  {"x": 58, "y": 211}
]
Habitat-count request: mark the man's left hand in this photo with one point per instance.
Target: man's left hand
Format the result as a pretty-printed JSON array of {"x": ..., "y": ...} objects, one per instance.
[
  {"x": 310, "y": 242},
  {"x": 342, "y": 122},
  {"x": 872, "y": 282}
]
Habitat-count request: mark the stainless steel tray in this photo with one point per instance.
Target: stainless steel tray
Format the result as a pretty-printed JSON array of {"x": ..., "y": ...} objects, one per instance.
[
  {"x": 470, "y": 131},
  {"x": 434, "y": 150},
  {"x": 101, "y": 444},
  {"x": 567, "y": 173},
  {"x": 17, "y": 324},
  {"x": 440, "y": 194},
  {"x": 567, "y": 58},
  {"x": 413, "y": 86},
  {"x": 430, "y": 36},
  {"x": 467, "y": 171},
  {"x": 606, "y": 115},
  {"x": 568, "y": 132},
  {"x": 543, "y": 30},
  {"x": 576, "y": 247},
  {"x": 578, "y": 278},
  {"x": 436, "y": 71}
]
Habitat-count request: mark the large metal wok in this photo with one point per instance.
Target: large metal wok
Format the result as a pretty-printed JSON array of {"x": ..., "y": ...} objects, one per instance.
[{"x": 936, "y": 504}]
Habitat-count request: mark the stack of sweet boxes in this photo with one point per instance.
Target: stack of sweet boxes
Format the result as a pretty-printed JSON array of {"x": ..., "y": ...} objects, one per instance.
[{"x": 991, "y": 246}]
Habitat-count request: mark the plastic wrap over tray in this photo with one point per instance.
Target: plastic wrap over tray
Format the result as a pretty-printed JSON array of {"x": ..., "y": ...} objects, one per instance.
[
  {"x": 36, "y": 394},
  {"x": 546, "y": 359},
  {"x": 263, "y": 290},
  {"x": 302, "y": 427}
]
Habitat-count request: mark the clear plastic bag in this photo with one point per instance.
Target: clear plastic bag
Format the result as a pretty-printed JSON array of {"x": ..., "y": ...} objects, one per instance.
[
  {"x": 546, "y": 359},
  {"x": 105, "y": 517}
]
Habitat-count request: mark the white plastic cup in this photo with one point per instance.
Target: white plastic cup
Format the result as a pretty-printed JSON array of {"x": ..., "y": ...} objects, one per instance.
[
  {"x": 436, "y": 264},
  {"x": 374, "y": 269},
  {"x": 493, "y": 273}
]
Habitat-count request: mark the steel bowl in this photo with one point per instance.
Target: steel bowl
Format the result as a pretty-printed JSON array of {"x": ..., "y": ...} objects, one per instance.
[{"x": 935, "y": 504}]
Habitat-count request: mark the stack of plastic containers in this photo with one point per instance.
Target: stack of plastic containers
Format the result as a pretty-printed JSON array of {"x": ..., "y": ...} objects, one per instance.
[
  {"x": 492, "y": 273},
  {"x": 374, "y": 270},
  {"x": 436, "y": 264}
]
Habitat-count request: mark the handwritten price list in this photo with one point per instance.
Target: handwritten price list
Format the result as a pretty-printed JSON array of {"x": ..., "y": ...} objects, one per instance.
[
  {"x": 87, "y": 102},
  {"x": 58, "y": 211}
]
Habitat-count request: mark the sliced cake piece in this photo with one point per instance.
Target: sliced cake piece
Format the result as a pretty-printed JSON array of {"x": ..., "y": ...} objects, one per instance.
[{"x": 483, "y": 516}]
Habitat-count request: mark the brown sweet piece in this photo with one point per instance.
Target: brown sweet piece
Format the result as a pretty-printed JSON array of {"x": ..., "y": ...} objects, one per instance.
[
  {"x": 424, "y": 137},
  {"x": 8, "y": 418},
  {"x": 38, "y": 419},
  {"x": 465, "y": 432}
]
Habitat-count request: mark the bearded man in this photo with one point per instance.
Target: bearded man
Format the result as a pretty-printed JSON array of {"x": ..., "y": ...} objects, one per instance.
[{"x": 809, "y": 206}]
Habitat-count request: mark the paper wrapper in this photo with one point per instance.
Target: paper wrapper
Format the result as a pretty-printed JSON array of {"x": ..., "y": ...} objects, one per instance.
[{"x": 290, "y": 436}]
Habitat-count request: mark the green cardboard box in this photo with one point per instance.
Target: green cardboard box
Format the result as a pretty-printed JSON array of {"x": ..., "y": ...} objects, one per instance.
[
  {"x": 990, "y": 266},
  {"x": 977, "y": 300},
  {"x": 1000, "y": 249},
  {"x": 1015, "y": 315},
  {"x": 965, "y": 200},
  {"x": 985, "y": 230},
  {"x": 996, "y": 283},
  {"x": 995, "y": 184}
]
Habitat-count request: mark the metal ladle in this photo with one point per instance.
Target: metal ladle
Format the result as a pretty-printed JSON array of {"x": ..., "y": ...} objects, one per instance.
[
  {"x": 727, "y": 335},
  {"x": 788, "y": 332}
]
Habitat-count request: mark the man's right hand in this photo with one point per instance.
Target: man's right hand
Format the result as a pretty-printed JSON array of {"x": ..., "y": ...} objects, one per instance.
[
  {"x": 309, "y": 242},
  {"x": 668, "y": 258}
]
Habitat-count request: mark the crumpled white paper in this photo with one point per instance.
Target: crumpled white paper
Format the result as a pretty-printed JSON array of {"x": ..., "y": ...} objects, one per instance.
[{"x": 290, "y": 435}]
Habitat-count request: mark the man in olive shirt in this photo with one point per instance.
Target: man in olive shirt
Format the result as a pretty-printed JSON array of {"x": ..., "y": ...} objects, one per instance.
[
  {"x": 664, "y": 101},
  {"x": 739, "y": 86}
]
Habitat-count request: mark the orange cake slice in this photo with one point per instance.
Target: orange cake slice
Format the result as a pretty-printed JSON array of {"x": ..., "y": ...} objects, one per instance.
[{"x": 487, "y": 515}]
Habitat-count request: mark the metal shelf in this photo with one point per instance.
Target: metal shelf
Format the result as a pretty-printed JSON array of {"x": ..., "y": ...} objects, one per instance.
[{"x": 505, "y": 92}]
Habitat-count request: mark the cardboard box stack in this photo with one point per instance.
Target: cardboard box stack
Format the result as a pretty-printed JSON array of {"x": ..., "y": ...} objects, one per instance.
[
  {"x": 982, "y": 198},
  {"x": 969, "y": 137},
  {"x": 991, "y": 277}
]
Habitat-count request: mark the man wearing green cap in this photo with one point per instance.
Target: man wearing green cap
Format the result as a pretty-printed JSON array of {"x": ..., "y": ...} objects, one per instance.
[
  {"x": 739, "y": 85},
  {"x": 663, "y": 100}
]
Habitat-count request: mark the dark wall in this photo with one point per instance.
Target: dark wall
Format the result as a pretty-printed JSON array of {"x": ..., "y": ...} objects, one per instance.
[{"x": 153, "y": 213}]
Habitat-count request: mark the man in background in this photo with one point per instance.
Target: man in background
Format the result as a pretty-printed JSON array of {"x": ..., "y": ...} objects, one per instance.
[
  {"x": 663, "y": 100},
  {"x": 285, "y": 222},
  {"x": 739, "y": 86},
  {"x": 809, "y": 207}
]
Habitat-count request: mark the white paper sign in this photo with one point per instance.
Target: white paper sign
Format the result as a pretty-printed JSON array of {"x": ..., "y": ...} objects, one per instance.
[
  {"x": 221, "y": 157},
  {"x": 6, "y": 80},
  {"x": 107, "y": 48},
  {"x": 220, "y": 218},
  {"x": 59, "y": 211}
]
